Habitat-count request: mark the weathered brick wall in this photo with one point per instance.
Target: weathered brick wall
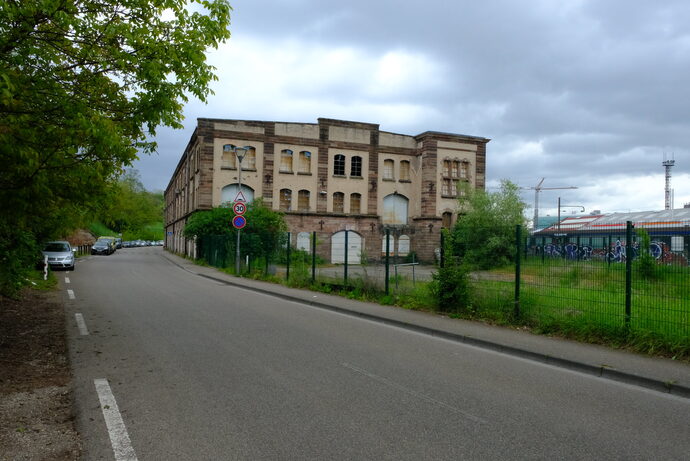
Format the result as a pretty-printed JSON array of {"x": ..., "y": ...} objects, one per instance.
[
  {"x": 423, "y": 229},
  {"x": 429, "y": 155}
]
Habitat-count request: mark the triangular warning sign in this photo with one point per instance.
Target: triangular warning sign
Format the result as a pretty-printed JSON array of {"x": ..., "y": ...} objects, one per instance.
[{"x": 240, "y": 197}]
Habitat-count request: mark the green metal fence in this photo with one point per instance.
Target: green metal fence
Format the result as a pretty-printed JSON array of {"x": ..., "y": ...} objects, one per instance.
[
  {"x": 613, "y": 280},
  {"x": 603, "y": 281}
]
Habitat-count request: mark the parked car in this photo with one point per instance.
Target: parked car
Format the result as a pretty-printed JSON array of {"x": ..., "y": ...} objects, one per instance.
[
  {"x": 103, "y": 246},
  {"x": 118, "y": 243},
  {"x": 60, "y": 255}
]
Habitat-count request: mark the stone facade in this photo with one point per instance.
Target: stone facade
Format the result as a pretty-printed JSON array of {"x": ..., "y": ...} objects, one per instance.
[{"x": 329, "y": 177}]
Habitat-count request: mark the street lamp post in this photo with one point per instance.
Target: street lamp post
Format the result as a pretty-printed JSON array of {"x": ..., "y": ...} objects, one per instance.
[
  {"x": 240, "y": 152},
  {"x": 566, "y": 206}
]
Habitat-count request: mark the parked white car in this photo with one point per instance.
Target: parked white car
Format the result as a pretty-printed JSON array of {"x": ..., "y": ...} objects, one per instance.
[{"x": 60, "y": 255}]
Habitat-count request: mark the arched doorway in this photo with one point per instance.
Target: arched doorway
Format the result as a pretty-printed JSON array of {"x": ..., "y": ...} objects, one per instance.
[{"x": 354, "y": 247}]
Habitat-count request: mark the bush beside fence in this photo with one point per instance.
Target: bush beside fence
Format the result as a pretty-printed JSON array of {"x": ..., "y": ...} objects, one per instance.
[{"x": 625, "y": 288}]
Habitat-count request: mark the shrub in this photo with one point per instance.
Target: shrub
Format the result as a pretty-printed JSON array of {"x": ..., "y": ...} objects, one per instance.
[{"x": 450, "y": 285}]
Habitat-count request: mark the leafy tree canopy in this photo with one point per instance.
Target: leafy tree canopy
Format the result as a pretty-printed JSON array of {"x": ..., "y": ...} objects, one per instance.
[
  {"x": 83, "y": 86},
  {"x": 484, "y": 235},
  {"x": 130, "y": 206},
  {"x": 264, "y": 233}
]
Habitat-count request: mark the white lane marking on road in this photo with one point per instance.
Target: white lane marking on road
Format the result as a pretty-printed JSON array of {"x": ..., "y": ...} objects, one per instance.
[
  {"x": 67, "y": 279},
  {"x": 119, "y": 439},
  {"x": 70, "y": 293},
  {"x": 414, "y": 393},
  {"x": 81, "y": 324}
]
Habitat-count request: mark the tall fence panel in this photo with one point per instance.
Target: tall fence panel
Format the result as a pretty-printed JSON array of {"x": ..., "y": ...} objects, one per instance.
[{"x": 633, "y": 277}]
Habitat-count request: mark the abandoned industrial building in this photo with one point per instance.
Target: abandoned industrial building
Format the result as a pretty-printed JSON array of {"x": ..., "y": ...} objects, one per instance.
[{"x": 329, "y": 177}]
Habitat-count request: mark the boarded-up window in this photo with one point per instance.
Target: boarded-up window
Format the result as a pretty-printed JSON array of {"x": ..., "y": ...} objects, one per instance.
[
  {"x": 286, "y": 161},
  {"x": 339, "y": 165},
  {"x": 454, "y": 169},
  {"x": 304, "y": 242},
  {"x": 355, "y": 203},
  {"x": 354, "y": 247},
  {"x": 305, "y": 162},
  {"x": 404, "y": 170},
  {"x": 285, "y": 199},
  {"x": 391, "y": 246},
  {"x": 395, "y": 209},
  {"x": 228, "y": 159},
  {"x": 446, "y": 219},
  {"x": 403, "y": 245},
  {"x": 249, "y": 161},
  {"x": 449, "y": 187},
  {"x": 338, "y": 202},
  {"x": 356, "y": 166},
  {"x": 303, "y": 200},
  {"x": 388, "y": 169}
]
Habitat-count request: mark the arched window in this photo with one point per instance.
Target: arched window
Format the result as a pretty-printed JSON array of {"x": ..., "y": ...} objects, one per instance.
[
  {"x": 355, "y": 203},
  {"x": 391, "y": 246},
  {"x": 446, "y": 168},
  {"x": 229, "y": 193},
  {"x": 388, "y": 166},
  {"x": 455, "y": 165},
  {"x": 228, "y": 158},
  {"x": 403, "y": 245},
  {"x": 395, "y": 209},
  {"x": 304, "y": 241},
  {"x": 446, "y": 219},
  {"x": 464, "y": 167},
  {"x": 303, "y": 200},
  {"x": 356, "y": 167},
  {"x": 339, "y": 165},
  {"x": 404, "y": 170},
  {"x": 285, "y": 200},
  {"x": 286, "y": 161},
  {"x": 338, "y": 202},
  {"x": 305, "y": 162}
]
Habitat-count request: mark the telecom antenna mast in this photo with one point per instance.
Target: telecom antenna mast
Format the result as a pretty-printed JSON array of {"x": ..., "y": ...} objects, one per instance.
[
  {"x": 538, "y": 188},
  {"x": 667, "y": 191}
]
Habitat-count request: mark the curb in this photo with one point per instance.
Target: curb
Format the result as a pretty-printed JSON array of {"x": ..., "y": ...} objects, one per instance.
[{"x": 666, "y": 387}]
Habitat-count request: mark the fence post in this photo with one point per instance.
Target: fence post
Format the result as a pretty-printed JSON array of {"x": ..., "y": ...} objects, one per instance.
[
  {"x": 543, "y": 249},
  {"x": 313, "y": 257},
  {"x": 388, "y": 245},
  {"x": 518, "y": 239},
  {"x": 628, "y": 271},
  {"x": 346, "y": 252},
  {"x": 608, "y": 251},
  {"x": 287, "y": 267}
]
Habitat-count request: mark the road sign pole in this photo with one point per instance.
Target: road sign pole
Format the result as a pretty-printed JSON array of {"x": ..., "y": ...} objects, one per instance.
[{"x": 239, "y": 180}]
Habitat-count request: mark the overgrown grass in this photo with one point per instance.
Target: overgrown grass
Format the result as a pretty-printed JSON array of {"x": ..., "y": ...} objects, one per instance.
[
  {"x": 583, "y": 301},
  {"x": 34, "y": 279}
]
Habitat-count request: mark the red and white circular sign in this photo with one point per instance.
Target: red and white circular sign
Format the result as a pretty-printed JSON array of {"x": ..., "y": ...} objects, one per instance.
[{"x": 239, "y": 208}]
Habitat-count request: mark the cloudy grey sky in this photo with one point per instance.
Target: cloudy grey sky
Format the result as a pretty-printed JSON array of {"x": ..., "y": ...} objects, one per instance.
[{"x": 586, "y": 93}]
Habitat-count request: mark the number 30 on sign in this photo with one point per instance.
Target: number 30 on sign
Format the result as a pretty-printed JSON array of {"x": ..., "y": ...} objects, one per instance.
[{"x": 239, "y": 208}]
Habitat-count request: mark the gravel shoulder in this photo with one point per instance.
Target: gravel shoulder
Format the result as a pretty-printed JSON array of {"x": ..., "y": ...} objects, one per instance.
[{"x": 36, "y": 411}]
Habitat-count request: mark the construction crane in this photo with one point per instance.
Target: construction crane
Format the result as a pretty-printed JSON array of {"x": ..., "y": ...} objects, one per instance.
[{"x": 538, "y": 188}]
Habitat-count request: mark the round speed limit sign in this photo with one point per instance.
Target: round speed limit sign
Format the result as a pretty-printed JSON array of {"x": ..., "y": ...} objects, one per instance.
[{"x": 239, "y": 208}]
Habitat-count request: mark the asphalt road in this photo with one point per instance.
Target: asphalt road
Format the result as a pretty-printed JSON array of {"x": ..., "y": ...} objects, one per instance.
[{"x": 203, "y": 371}]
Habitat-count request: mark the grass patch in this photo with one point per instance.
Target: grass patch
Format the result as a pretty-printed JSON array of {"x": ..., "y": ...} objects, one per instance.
[{"x": 583, "y": 300}]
